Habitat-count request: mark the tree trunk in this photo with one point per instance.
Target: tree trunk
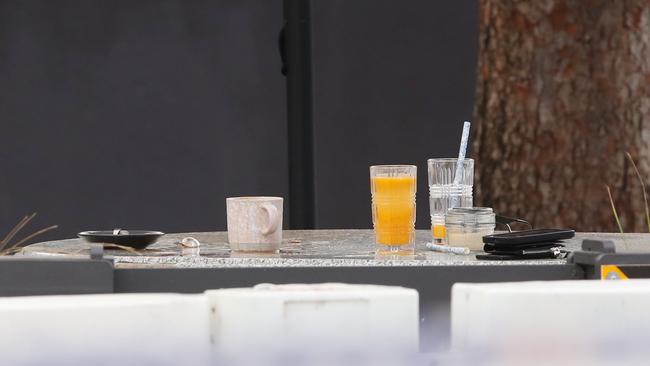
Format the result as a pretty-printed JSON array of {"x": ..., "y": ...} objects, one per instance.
[{"x": 563, "y": 91}]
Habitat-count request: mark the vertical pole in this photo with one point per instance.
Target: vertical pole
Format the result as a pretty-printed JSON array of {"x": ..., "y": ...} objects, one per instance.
[{"x": 297, "y": 40}]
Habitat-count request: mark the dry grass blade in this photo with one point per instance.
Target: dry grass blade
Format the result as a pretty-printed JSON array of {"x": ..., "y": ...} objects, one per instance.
[
  {"x": 29, "y": 237},
  {"x": 128, "y": 249},
  {"x": 645, "y": 195},
  {"x": 5, "y": 241},
  {"x": 9, "y": 251},
  {"x": 21, "y": 224},
  {"x": 15, "y": 249},
  {"x": 14, "y": 230},
  {"x": 611, "y": 201}
]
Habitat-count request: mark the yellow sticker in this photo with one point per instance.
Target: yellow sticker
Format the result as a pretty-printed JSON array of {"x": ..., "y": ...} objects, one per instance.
[{"x": 611, "y": 272}]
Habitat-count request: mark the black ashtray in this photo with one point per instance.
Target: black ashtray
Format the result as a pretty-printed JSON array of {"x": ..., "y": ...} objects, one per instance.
[{"x": 137, "y": 239}]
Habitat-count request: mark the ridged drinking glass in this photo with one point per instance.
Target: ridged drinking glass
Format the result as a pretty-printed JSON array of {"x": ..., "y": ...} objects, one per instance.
[
  {"x": 393, "y": 189},
  {"x": 446, "y": 192}
]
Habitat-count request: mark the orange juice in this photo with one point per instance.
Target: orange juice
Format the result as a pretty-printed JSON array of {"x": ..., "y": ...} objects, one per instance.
[
  {"x": 439, "y": 231},
  {"x": 393, "y": 209}
]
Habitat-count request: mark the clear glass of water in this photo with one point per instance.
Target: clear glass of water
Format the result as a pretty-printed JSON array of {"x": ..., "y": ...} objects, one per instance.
[{"x": 445, "y": 192}]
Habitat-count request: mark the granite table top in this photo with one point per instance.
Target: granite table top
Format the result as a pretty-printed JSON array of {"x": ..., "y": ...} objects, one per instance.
[{"x": 308, "y": 248}]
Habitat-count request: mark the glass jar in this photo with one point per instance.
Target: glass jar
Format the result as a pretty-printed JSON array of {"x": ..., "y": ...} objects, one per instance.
[{"x": 466, "y": 226}]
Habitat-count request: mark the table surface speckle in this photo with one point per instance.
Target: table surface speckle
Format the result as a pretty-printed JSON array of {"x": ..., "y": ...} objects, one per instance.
[{"x": 309, "y": 248}]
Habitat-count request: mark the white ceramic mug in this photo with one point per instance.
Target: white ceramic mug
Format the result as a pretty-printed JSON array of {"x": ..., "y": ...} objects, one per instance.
[{"x": 254, "y": 223}]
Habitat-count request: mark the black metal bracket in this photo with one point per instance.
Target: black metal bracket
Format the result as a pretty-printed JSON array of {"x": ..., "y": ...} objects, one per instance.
[{"x": 596, "y": 253}]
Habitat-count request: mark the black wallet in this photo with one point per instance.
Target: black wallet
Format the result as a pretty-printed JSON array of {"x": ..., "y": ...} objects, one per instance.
[
  {"x": 526, "y": 244},
  {"x": 529, "y": 236}
]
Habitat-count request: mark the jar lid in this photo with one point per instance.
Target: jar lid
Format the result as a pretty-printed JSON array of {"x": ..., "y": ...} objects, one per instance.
[{"x": 470, "y": 216}]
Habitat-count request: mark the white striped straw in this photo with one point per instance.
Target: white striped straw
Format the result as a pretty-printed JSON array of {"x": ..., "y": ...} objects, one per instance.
[{"x": 461, "y": 157}]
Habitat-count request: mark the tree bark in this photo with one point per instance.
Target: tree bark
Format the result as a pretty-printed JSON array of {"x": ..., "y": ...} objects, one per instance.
[{"x": 563, "y": 91}]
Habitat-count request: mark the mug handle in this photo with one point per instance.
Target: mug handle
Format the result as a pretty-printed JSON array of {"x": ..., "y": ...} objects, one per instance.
[{"x": 274, "y": 218}]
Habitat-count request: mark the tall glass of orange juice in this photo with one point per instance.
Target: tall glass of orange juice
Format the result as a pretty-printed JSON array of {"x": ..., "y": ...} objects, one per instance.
[{"x": 393, "y": 190}]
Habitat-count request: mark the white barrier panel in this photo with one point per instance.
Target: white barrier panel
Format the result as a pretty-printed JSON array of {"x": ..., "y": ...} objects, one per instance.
[
  {"x": 129, "y": 329},
  {"x": 598, "y": 320},
  {"x": 172, "y": 329},
  {"x": 312, "y": 317}
]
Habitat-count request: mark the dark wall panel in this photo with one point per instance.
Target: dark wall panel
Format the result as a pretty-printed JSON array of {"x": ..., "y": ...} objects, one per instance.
[
  {"x": 393, "y": 82},
  {"x": 138, "y": 114},
  {"x": 147, "y": 114}
]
